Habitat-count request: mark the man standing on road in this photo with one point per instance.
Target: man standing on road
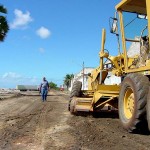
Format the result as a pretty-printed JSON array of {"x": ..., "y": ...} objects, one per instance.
[{"x": 44, "y": 87}]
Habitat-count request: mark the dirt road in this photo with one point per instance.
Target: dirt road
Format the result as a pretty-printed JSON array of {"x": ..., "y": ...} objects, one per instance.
[{"x": 26, "y": 123}]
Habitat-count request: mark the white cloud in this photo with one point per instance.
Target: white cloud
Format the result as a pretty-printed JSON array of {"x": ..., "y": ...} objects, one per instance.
[
  {"x": 43, "y": 32},
  {"x": 11, "y": 75},
  {"x": 21, "y": 19},
  {"x": 11, "y": 79},
  {"x": 41, "y": 50}
]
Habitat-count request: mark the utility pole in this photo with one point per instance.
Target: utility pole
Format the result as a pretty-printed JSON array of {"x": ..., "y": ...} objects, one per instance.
[{"x": 83, "y": 75}]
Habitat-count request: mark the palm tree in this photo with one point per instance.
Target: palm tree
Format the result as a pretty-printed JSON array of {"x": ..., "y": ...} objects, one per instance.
[
  {"x": 68, "y": 79},
  {"x": 3, "y": 23}
]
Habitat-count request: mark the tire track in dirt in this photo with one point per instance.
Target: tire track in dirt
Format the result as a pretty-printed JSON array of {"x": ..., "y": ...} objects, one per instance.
[
  {"x": 38, "y": 125},
  {"x": 16, "y": 114},
  {"x": 16, "y": 126},
  {"x": 40, "y": 132},
  {"x": 33, "y": 118},
  {"x": 17, "y": 105},
  {"x": 58, "y": 136}
]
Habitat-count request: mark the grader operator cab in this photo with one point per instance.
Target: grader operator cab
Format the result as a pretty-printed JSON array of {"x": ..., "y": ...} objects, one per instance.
[{"x": 132, "y": 96}]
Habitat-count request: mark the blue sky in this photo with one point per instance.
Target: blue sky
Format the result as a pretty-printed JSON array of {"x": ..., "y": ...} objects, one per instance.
[{"x": 52, "y": 38}]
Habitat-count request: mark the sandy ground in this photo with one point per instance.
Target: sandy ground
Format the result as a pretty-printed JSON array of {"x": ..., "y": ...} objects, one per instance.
[{"x": 26, "y": 123}]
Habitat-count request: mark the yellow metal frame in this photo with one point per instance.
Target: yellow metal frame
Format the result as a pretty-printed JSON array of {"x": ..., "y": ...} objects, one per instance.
[
  {"x": 123, "y": 39},
  {"x": 106, "y": 90},
  {"x": 102, "y": 48},
  {"x": 133, "y": 6}
]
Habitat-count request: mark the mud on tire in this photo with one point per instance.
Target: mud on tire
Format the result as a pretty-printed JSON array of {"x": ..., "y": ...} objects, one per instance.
[
  {"x": 75, "y": 92},
  {"x": 132, "y": 102}
]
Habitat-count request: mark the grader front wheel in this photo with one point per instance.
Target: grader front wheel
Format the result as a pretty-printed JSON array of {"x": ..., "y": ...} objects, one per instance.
[{"x": 132, "y": 102}]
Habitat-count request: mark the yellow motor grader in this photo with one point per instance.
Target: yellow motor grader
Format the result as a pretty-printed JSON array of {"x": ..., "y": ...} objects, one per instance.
[{"x": 132, "y": 96}]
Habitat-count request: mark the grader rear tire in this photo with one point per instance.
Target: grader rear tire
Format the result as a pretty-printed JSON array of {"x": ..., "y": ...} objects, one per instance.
[
  {"x": 132, "y": 102},
  {"x": 75, "y": 92},
  {"x": 76, "y": 89}
]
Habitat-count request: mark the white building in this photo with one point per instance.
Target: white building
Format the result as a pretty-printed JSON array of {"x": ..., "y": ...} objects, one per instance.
[
  {"x": 83, "y": 77},
  {"x": 110, "y": 79}
]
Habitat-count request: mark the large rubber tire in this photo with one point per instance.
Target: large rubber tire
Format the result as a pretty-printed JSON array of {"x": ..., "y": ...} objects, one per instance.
[
  {"x": 132, "y": 102},
  {"x": 72, "y": 106},
  {"x": 148, "y": 109},
  {"x": 75, "y": 92}
]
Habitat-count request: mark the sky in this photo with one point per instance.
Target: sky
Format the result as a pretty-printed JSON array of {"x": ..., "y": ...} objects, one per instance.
[{"x": 52, "y": 38}]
